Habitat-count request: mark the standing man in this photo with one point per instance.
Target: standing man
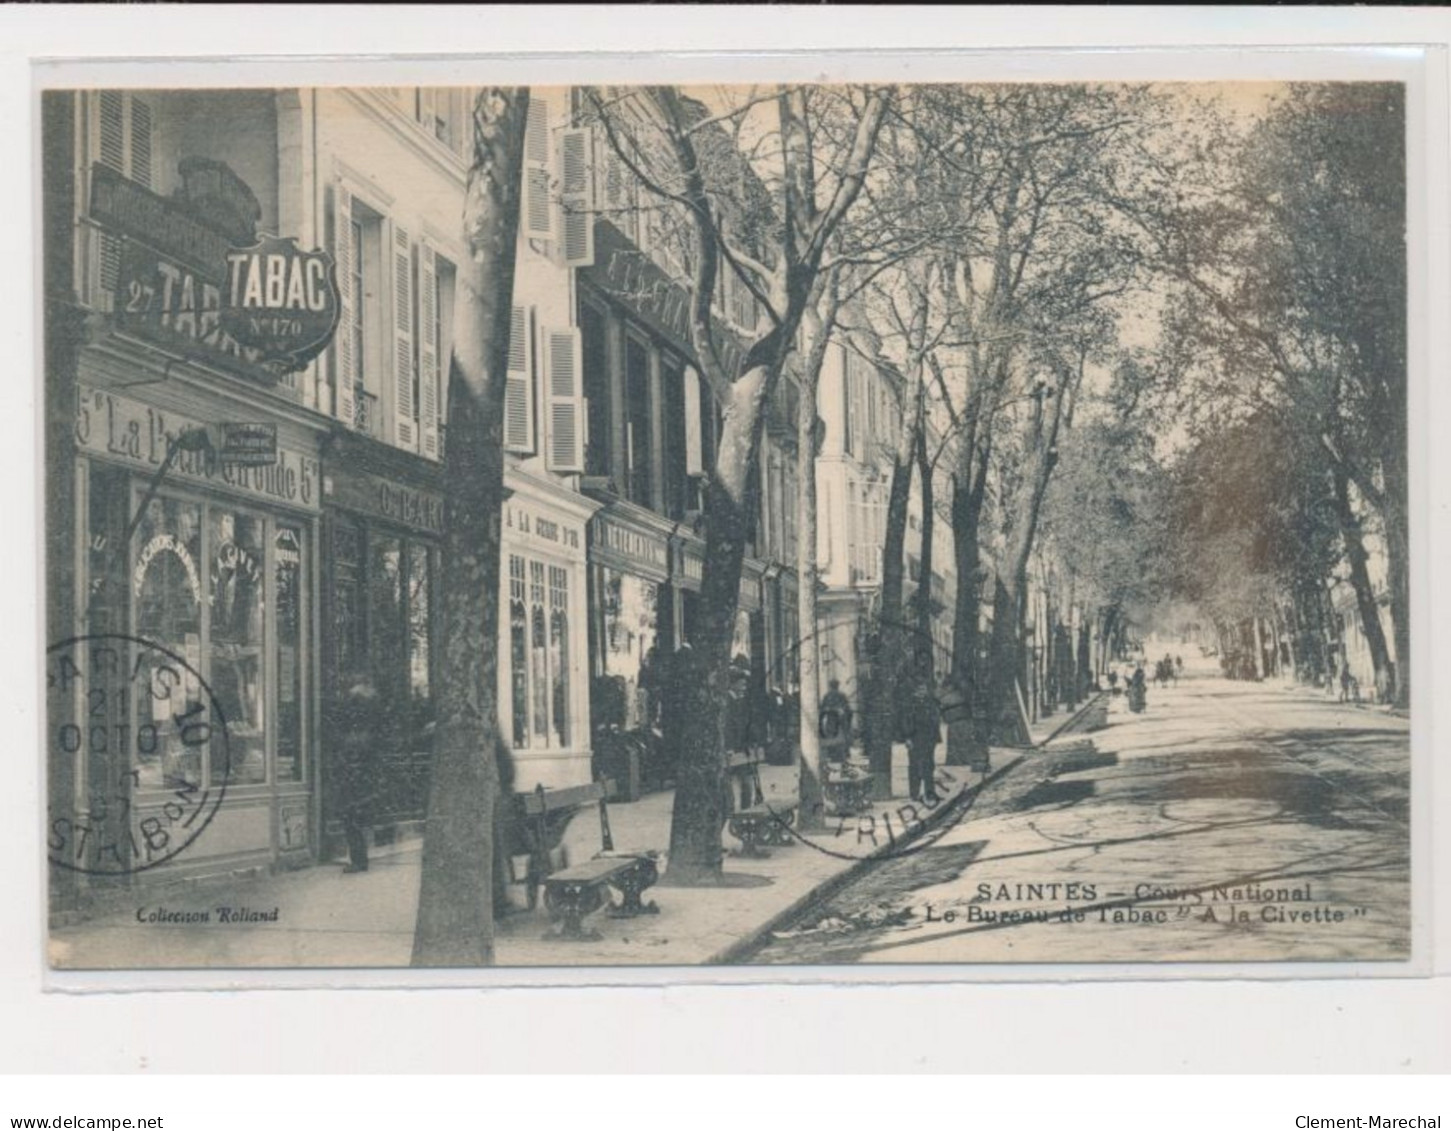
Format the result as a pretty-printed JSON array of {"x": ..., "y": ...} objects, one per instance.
[
  {"x": 924, "y": 733},
  {"x": 359, "y": 724},
  {"x": 834, "y": 724}
]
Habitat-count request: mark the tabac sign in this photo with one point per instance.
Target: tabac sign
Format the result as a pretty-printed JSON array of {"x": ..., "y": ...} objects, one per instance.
[
  {"x": 193, "y": 275},
  {"x": 281, "y": 301}
]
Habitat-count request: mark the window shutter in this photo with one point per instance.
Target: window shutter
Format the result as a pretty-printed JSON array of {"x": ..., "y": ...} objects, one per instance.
[
  {"x": 577, "y": 198},
  {"x": 611, "y": 184},
  {"x": 111, "y": 123},
  {"x": 538, "y": 215},
  {"x": 518, "y": 404},
  {"x": 428, "y": 360},
  {"x": 405, "y": 434},
  {"x": 562, "y": 363},
  {"x": 140, "y": 133},
  {"x": 110, "y": 150},
  {"x": 345, "y": 365},
  {"x": 694, "y": 457}
]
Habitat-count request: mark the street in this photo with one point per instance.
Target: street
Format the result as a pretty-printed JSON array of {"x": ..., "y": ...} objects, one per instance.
[{"x": 1231, "y": 821}]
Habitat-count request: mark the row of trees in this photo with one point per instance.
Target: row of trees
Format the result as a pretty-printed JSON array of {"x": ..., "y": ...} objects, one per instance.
[
  {"x": 1285, "y": 356},
  {"x": 1063, "y": 275}
]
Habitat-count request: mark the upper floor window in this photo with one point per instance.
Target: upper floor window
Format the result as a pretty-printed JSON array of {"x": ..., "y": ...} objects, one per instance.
[
  {"x": 394, "y": 334},
  {"x": 441, "y": 112}
]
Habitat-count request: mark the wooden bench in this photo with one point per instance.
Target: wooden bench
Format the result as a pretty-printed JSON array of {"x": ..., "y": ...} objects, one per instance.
[
  {"x": 754, "y": 822},
  {"x": 574, "y": 891}
]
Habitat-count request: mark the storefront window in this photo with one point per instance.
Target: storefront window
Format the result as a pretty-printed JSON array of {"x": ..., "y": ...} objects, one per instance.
[
  {"x": 167, "y": 587},
  {"x": 631, "y": 633},
  {"x": 287, "y": 568},
  {"x": 538, "y": 655},
  {"x": 238, "y": 581},
  {"x": 559, "y": 651},
  {"x": 348, "y": 623},
  {"x": 419, "y": 599},
  {"x": 741, "y": 641},
  {"x": 224, "y": 589},
  {"x": 385, "y": 587},
  {"x": 539, "y": 643},
  {"x": 518, "y": 651}
]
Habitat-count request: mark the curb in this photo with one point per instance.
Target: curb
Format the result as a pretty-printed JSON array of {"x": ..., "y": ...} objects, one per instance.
[
  {"x": 740, "y": 951},
  {"x": 1088, "y": 705}
]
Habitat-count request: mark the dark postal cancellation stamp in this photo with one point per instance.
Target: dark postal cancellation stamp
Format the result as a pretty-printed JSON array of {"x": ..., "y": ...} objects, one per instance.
[
  {"x": 122, "y": 700},
  {"x": 930, "y": 522}
]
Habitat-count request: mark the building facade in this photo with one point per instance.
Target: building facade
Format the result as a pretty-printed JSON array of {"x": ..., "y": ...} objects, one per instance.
[
  {"x": 860, "y": 405},
  {"x": 278, "y": 585}
]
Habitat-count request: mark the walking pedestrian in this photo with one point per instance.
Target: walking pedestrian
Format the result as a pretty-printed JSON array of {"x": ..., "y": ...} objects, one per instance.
[
  {"x": 358, "y": 727},
  {"x": 1345, "y": 680}
]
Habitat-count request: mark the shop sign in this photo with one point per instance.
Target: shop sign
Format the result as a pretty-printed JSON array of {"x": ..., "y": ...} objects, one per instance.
[
  {"x": 258, "y": 311},
  {"x": 386, "y": 499},
  {"x": 630, "y": 548},
  {"x": 129, "y": 432},
  {"x": 179, "y": 306},
  {"x": 281, "y": 301},
  {"x": 629, "y": 276},
  {"x": 251, "y": 445},
  {"x": 541, "y": 529}
]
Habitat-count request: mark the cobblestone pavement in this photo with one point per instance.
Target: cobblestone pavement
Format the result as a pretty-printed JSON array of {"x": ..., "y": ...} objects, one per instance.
[{"x": 1230, "y": 821}]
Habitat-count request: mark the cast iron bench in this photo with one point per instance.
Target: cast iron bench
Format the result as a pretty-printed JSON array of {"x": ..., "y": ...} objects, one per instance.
[
  {"x": 540, "y": 819},
  {"x": 755, "y": 823},
  {"x": 848, "y": 795},
  {"x": 577, "y": 890}
]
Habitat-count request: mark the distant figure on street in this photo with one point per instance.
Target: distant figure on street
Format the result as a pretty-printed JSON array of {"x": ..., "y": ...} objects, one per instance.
[
  {"x": 925, "y": 731},
  {"x": 834, "y": 724},
  {"x": 359, "y": 726},
  {"x": 1138, "y": 689},
  {"x": 738, "y": 708},
  {"x": 1178, "y": 667},
  {"x": 1345, "y": 681},
  {"x": 1113, "y": 681}
]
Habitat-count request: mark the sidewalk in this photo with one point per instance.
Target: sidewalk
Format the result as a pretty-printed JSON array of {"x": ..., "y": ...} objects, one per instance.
[{"x": 327, "y": 919}]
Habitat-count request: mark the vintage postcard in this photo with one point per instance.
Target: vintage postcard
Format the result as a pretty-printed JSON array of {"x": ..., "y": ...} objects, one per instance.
[{"x": 798, "y": 524}]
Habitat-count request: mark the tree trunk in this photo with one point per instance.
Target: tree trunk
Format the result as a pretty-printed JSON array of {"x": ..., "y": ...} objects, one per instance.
[
  {"x": 818, "y": 321},
  {"x": 965, "y": 739},
  {"x": 925, "y": 614},
  {"x": 1005, "y": 651},
  {"x": 889, "y": 664},
  {"x": 1086, "y": 678},
  {"x": 892, "y": 664},
  {"x": 455, "y": 924},
  {"x": 696, "y": 854},
  {"x": 1365, "y": 601},
  {"x": 1398, "y": 564}
]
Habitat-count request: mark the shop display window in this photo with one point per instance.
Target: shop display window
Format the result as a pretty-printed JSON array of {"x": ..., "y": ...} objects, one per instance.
[
  {"x": 168, "y": 588},
  {"x": 225, "y": 589},
  {"x": 631, "y": 634},
  {"x": 289, "y": 581},
  {"x": 539, "y": 620}
]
